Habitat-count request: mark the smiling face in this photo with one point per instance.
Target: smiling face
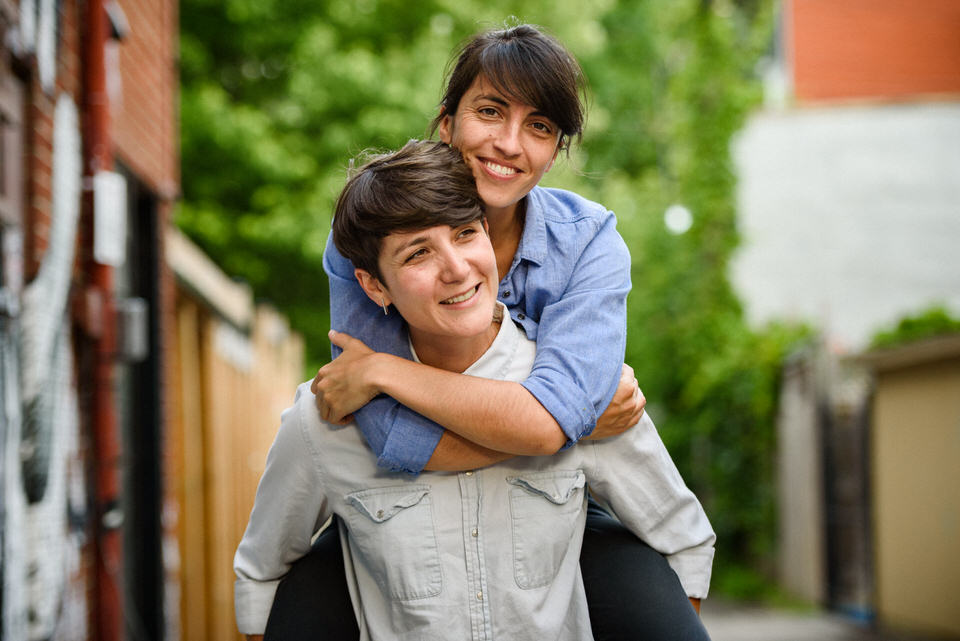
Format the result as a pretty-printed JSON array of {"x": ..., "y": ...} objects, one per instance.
[
  {"x": 443, "y": 281},
  {"x": 509, "y": 145}
]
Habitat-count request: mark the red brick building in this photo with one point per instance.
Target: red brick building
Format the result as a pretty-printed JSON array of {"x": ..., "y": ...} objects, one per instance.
[
  {"x": 88, "y": 109},
  {"x": 873, "y": 49}
]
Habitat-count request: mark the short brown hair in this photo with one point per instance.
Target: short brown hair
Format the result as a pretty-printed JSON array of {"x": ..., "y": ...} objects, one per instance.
[
  {"x": 422, "y": 185},
  {"x": 527, "y": 65}
]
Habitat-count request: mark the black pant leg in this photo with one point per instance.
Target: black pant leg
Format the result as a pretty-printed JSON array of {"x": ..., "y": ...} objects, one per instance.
[
  {"x": 312, "y": 601},
  {"x": 632, "y": 592}
]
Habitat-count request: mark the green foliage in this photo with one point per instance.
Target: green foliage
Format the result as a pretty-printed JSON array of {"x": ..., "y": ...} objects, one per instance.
[
  {"x": 935, "y": 321},
  {"x": 278, "y": 95}
]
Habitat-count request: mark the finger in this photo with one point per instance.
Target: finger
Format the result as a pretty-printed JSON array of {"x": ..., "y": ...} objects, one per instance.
[
  {"x": 340, "y": 339},
  {"x": 318, "y": 400},
  {"x": 325, "y": 408},
  {"x": 315, "y": 382}
]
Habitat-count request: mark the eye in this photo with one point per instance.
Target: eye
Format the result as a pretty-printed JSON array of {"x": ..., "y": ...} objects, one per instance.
[
  {"x": 490, "y": 112},
  {"x": 542, "y": 127},
  {"x": 415, "y": 255}
]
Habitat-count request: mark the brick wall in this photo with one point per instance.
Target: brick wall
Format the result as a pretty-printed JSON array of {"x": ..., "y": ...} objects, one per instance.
[
  {"x": 873, "y": 49},
  {"x": 143, "y": 116},
  {"x": 142, "y": 88}
]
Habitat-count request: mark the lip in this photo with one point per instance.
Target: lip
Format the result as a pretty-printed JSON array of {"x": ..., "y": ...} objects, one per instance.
[
  {"x": 473, "y": 293},
  {"x": 494, "y": 174}
]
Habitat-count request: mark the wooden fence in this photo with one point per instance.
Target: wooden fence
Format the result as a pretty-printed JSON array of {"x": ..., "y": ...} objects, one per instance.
[{"x": 234, "y": 367}]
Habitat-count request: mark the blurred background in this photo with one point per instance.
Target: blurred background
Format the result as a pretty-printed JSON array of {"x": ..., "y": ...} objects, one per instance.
[{"x": 785, "y": 173}]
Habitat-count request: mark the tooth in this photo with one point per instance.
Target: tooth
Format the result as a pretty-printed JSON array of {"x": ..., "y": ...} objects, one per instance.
[
  {"x": 461, "y": 297},
  {"x": 500, "y": 169}
]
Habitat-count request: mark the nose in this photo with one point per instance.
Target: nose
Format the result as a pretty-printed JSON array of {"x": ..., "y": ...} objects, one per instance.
[
  {"x": 507, "y": 141},
  {"x": 456, "y": 267}
]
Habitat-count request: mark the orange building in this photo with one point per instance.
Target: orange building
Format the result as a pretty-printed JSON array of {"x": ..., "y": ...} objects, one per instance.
[{"x": 873, "y": 49}]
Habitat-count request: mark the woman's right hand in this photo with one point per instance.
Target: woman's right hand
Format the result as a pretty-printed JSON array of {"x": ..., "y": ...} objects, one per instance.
[
  {"x": 624, "y": 410},
  {"x": 342, "y": 386}
]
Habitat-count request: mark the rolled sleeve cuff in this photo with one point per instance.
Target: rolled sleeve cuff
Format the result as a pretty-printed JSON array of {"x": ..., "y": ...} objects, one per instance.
[
  {"x": 252, "y": 601},
  {"x": 570, "y": 407},
  {"x": 410, "y": 443},
  {"x": 693, "y": 567}
]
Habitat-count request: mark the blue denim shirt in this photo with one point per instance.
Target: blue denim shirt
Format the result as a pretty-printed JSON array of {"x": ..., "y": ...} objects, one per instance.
[
  {"x": 567, "y": 287},
  {"x": 484, "y": 554}
]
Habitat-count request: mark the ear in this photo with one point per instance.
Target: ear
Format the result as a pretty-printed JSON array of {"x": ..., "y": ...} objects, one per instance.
[
  {"x": 372, "y": 287},
  {"x": 445, "y": 129},
  {"x": 486, "y": 226},
  {"x": 556, "y": 153}
]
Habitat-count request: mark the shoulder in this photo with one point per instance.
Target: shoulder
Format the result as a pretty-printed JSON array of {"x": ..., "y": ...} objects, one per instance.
[
  {"x": 562, "y": 206},
  {"x": 325, "y": 442},
  {"x": 302, "y": 420},
  {"x": 573, "y": 228}
]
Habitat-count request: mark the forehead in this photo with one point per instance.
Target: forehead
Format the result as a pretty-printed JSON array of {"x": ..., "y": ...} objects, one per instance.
[{"x": 484, "y": 86}]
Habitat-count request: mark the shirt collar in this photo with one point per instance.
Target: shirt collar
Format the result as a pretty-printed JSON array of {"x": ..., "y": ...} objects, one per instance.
[{"x": 533, "y": 242}]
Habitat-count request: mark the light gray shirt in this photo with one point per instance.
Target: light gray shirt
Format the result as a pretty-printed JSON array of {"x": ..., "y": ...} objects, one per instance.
[{"x": 485, "y": 554}]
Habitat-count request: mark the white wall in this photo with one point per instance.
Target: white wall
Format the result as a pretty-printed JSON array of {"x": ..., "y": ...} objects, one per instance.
[{"x": 849, "y": 216}]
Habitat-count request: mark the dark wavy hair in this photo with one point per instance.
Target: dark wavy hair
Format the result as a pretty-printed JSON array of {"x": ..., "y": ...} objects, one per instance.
[
  {"x": 422, "y": 185},
  {"x": 527, "y": 65}
]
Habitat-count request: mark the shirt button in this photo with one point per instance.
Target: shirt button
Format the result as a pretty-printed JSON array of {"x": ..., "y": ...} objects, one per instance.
[
  {"x": 379, "y": 514},
  {"x": 479, "y": 596},
  {"x": 474, "y": 533},
  {"x": 506, "y": 294},
  {"x": 520, "y": 316}
]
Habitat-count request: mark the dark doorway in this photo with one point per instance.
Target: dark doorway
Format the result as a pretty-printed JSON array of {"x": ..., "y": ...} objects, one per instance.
[{"x": 139, "y": 412}]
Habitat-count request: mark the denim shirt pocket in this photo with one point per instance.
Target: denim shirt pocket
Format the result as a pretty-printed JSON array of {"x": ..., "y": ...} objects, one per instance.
[
  {"x": 544, "y": 510},
  {"x": 392, "y": 528}
]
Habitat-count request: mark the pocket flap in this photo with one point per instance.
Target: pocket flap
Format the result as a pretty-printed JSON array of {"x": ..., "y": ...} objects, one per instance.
[
  {"x": 380, "y": 504},
  {"x": 556, "y": 487}
]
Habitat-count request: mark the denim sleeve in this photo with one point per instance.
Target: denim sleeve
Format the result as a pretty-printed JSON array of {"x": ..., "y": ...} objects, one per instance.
[
  {"x": 582, "y": 336},
  {"x": 402, "y": 439}
]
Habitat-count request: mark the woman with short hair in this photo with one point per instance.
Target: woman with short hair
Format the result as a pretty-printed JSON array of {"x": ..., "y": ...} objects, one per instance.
[{"x": 487, "y": 553}]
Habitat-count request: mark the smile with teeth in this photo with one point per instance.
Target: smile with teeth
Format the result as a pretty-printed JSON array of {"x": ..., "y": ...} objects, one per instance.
[
  {"x": 462, "y": 297},
  {"x": 499, "y": 169}
]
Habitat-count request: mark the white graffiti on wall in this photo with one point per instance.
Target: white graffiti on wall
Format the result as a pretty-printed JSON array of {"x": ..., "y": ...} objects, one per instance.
[
  {"x": 44, "y": 484},
  {"x": 38, "y": 33}
]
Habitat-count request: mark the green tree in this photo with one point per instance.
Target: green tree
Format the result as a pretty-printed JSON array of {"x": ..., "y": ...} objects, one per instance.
[{"x": 278, "y": 95}]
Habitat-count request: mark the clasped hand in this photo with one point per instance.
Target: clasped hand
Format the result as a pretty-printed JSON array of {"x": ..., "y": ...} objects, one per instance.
[
  {"x": 343, "y": 385},
  {"x": 625, "y": 408}
]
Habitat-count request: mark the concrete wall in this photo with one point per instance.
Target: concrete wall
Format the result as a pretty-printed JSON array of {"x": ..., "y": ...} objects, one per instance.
[
  {"x": 849, "y": 216},
  {"x": 801, "y": 545}
]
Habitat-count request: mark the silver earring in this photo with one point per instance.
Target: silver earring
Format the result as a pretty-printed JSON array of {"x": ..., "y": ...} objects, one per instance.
[{"x": 384, "y": 306}]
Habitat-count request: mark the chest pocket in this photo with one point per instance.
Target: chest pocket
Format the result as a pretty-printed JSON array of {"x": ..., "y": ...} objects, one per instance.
[
  {"x": 392, "y": 529},
  {"x": 545, "y": 508}
]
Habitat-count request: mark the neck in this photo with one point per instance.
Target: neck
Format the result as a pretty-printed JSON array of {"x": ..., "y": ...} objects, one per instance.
[
  {"x": 506, "y": 229},
  {"x": 454, "y": 354}
]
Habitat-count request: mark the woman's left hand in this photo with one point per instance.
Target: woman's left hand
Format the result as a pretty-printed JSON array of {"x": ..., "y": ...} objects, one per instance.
[{"x": 342, "y": 385}]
